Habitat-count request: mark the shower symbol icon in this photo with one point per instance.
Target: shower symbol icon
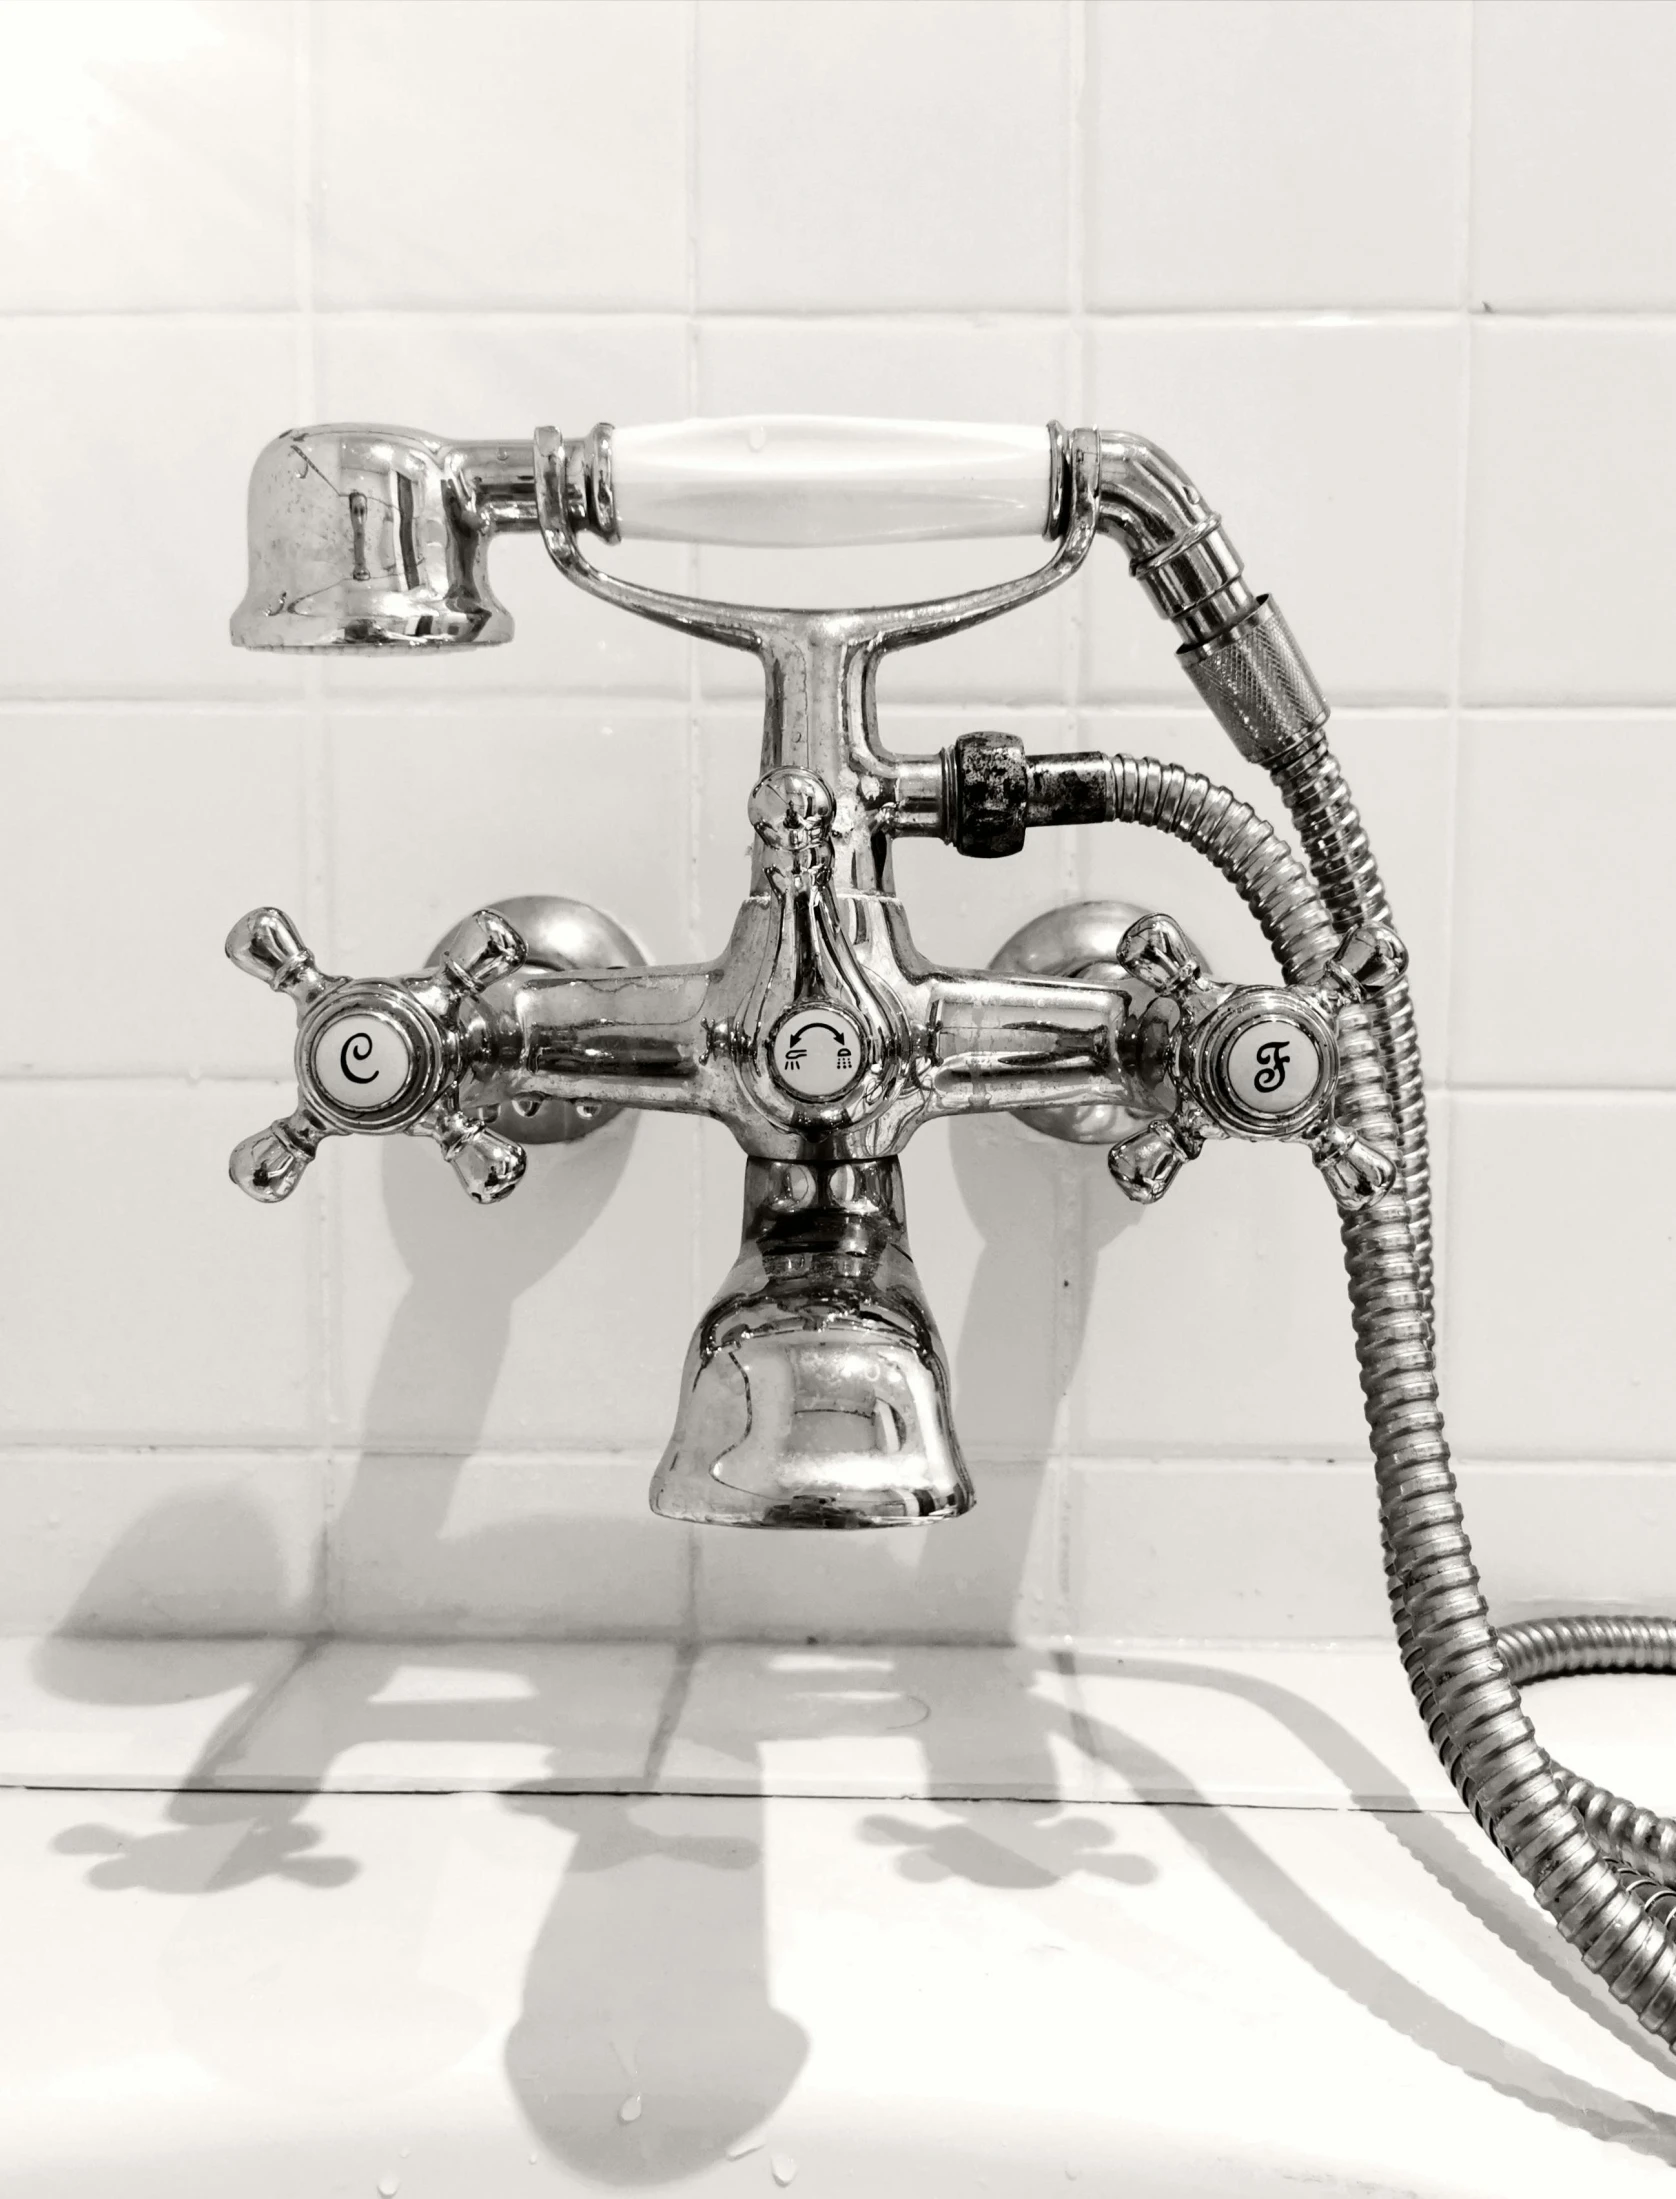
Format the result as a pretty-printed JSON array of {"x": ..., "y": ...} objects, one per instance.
[
  {"x": 817, "y": 1055},
  {"x": 797, "y": 1046}
]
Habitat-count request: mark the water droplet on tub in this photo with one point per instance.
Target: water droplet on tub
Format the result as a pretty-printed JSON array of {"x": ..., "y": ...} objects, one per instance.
[
  {"x": 388, "y": 2186},
  {"x": 783, "y": 2168},
  {"x": 741, "y": 2146},
  {"x": 629, "y": 2112}
]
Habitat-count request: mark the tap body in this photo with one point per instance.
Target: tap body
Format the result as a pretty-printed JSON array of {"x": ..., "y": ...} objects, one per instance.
[{"x": 815, "y": 1393}]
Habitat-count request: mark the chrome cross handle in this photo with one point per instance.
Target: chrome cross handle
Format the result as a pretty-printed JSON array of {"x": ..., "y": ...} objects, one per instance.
[
  {"x": 377, "y": 1055},
  {"x": 1245, "y": 1061}
]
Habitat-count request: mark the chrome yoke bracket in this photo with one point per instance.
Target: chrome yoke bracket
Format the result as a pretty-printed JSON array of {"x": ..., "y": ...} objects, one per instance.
[{"x": 820, "y": 666}]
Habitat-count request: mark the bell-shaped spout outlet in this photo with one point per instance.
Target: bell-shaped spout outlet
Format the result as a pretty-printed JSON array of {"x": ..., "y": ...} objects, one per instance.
[
  {"x": 815, "y": 1393},
  {"x": 365, "y": 538}
]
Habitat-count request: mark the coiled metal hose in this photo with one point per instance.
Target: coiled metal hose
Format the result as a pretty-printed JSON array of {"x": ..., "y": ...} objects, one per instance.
[
  {"x": 1603, "y": 1869},
  {"x": 1318, "y": 801}
]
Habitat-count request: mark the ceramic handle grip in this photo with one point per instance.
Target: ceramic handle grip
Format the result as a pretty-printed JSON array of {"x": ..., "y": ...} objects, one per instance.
[{"x": 800, "y": 481}]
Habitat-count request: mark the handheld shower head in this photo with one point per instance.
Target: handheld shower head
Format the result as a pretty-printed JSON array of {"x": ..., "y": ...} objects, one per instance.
[{"x": 366, "y": 537}]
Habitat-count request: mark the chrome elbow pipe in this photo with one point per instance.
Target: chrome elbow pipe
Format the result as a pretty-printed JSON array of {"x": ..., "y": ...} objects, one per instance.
[
  {"x": 1177, "y": 548},
  {"x": 1235, "y": 647}
]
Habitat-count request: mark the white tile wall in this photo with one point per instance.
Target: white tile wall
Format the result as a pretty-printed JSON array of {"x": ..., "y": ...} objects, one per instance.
[
  {"x": 486, "y": 154},
  {"x": 1394, "y": 280},
  {"x": 1574, "y": 173},
  {"x": 1278, "y": 155},
  {"x": 123, "y": 550},
  {"x": 855, "y": 154},
  {"x": 151, "y": 158},
  {"x": 1563, "y": 812},
  {"x": 1570, "y": 565},
  {"x": 515, "y": 370},
  {"x": 1333, "y": 447}
]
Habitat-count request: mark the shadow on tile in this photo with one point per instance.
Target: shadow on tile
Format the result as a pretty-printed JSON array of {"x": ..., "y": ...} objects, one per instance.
[
  {"x": 649, "y": 1985},
  {"x": 1337, "y": 1955}
]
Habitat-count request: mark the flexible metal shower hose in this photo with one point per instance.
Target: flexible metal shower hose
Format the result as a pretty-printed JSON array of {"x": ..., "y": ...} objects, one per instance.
[{"x": 1602, "y": 1868}]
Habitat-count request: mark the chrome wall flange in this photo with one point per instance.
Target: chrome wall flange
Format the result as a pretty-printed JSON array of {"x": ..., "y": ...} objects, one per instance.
[
  {"x": 558, "y": 934},
  {"x": 1077, "y": 941}
]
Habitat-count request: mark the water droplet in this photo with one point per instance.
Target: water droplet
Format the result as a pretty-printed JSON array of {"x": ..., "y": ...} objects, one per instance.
[
  {"x": 783, "y": 2168},
  {"x": 629, "y": 2112},
  {"x": 741, "y": 2146},
  {"x": 388, "y": 2186}
]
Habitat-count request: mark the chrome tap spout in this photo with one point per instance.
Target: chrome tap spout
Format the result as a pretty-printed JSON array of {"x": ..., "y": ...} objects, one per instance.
[{"x": 815, "y": 1392}]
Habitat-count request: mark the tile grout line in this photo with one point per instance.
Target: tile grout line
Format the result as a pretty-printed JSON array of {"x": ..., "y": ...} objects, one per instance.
[
  {"x": 1212, "y": 1456},
  {"x": 187, "y": 1077},
  {"x": 317, "y": 801},
  {"x": 697, "y": 1157},
  {"x": 1217, "y": 317},
  {"x": 1050, "y": 710},
  {"x": 1442, "y": 1186},
  {"x": 1208, "y": 1456},
  {"x": 1071, "y": 1264},
  {"x": 1003, "y": 1794}
]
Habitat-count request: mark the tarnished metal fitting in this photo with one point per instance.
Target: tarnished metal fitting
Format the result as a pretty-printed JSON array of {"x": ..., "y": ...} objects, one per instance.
[
  {"x": 988, "y": 793},
  {"x": 993, "y": 793}
]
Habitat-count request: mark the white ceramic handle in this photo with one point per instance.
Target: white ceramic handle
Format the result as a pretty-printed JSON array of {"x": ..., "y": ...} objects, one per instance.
[{"x": 797, "y": 481}]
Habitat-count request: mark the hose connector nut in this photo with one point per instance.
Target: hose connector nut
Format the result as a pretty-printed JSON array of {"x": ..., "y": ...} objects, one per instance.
[
  {"x": 987, "y": 796},
  {"x": 1259, "y": 688}
]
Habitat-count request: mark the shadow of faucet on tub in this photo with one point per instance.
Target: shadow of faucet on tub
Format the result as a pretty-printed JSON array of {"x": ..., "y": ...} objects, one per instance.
[{"x": 707, "y": 2065}]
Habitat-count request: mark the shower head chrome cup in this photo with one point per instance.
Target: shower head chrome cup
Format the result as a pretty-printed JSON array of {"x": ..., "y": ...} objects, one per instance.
[{"x": 366, "y": 537}]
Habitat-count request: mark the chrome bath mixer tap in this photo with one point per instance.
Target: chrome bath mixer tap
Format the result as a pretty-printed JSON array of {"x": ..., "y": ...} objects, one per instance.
[{"x": 815, "y": 1393}]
